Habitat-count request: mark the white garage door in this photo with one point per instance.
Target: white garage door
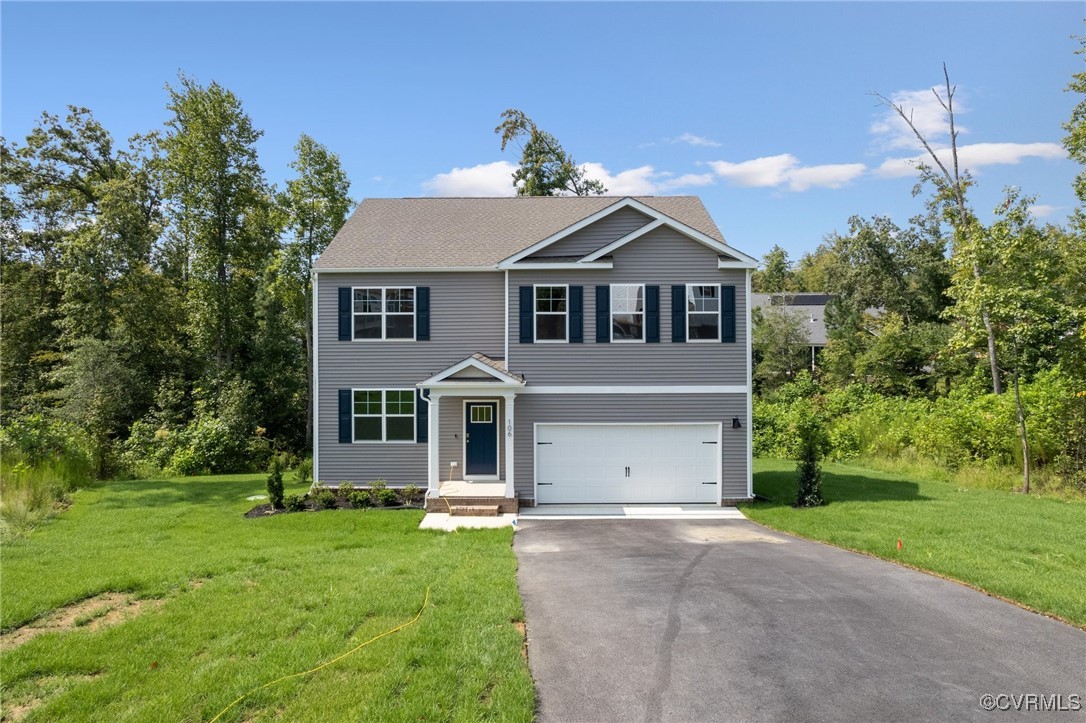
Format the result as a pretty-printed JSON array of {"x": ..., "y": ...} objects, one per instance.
[{"x": 627, "y": 463}]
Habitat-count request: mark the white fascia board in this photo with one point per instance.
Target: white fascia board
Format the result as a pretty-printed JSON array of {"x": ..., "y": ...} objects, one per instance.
[
  {"x": 484, "y": 389},
  {"x": 571, "y": 266},
  {"x": 735, "y": 264},
  {"x": 680, "y": 227},
  {"x": 469, "y": 362},
  {"x": 587, "y": 220},
  {"x": 643, "y": 389},
  {"x": 407, "y": 270}
]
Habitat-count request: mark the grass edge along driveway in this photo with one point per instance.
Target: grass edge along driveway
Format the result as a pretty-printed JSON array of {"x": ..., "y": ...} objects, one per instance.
[
  {"x": 1025, "y": 548},
  {"x": 241, "y": 602}
]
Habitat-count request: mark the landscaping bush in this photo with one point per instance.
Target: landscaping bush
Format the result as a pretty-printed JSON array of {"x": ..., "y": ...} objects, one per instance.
[
  {"x": 387, "y": 497},
  {"x": 808, "y": 471},
  {"x": 304, "y": 471},
  {"x": 377, "y": 488},
  {"x": 324, "y": 499},
  {"x": 345, "y": 489},
  {"x": 358, "y": 499},
  {"x": 294, "y": 503},
  {"x": 275, "y": 484},
  {"x": 412, "y": 494}
]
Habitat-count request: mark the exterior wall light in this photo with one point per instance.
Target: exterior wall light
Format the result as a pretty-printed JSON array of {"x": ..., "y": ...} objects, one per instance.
[{"x": 736, "y": 424}]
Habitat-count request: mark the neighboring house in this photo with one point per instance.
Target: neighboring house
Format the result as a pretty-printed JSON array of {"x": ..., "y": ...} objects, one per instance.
[
  {"x": 810, "y": 307},
  {"x": 559, "y": 350}
]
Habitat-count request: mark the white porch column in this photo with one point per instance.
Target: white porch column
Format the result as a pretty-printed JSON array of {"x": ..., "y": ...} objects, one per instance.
[
  {"x": 433, "y": 476},
  {"x": 509, "y": 487}
]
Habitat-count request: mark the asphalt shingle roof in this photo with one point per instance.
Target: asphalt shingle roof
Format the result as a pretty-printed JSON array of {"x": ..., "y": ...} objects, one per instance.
[{"x": 474, "y": 232}]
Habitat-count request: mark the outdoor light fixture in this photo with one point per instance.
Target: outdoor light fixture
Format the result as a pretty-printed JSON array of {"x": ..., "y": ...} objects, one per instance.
[{"x": 736, "y": 424}]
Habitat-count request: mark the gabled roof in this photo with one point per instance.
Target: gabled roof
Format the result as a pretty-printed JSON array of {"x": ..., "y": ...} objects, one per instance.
[
  {"x": 489, "y": 370},
  {"x": 478, "y": 233},
  {"x": 810, "y": 307}
]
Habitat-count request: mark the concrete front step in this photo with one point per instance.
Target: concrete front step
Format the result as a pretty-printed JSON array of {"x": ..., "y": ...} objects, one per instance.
[
  {"x": 505, "y": 505},
  {"x": 473, "y": 510}
]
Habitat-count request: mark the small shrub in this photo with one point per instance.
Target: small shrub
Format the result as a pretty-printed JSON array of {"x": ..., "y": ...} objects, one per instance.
[
  {"x": 325, "y": 499},
  {"x": 387, "y": 497},
  {"x": 275, "y": 484},
  {"x": 808, "y": 471},
  {"x": 294, "y": 503},
  {"x": 376, "y": 489},
  {"x": 358, "y": 499},
  {"x": 412, "y": 494},
  {"x": 345, "y": 489},
  {"x": 304, "y": 471}
]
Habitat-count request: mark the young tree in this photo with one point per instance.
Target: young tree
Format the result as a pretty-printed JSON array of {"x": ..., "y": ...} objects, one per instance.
[
  {"x": 950, "y": 187},
  {"x": 316, "y": 204},
  {"x": 808, "y": 469},
  {"x": 545, "y": 167}
]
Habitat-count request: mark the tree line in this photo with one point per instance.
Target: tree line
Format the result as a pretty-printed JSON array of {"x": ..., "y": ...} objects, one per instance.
[{"x": 156, "y": 292}]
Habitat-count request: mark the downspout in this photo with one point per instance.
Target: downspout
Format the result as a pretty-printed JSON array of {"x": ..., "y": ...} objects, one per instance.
[{"x": 424, "y": 395}]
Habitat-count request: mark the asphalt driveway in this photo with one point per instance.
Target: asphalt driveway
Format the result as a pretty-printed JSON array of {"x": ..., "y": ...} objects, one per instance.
[{"x": 722, "y": 620}]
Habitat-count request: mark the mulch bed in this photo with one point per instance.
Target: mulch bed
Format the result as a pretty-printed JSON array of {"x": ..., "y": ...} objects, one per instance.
[{"x": 341, "y": 504}]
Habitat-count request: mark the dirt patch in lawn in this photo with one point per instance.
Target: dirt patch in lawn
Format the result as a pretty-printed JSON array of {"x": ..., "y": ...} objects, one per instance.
[
  {"x": 92, "y": 613},
  {"x": 523, "y": 630},
  {"x": 25, "y": 696}
]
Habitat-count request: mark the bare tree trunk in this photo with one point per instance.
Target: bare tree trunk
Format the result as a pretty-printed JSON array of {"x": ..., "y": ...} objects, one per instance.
[
  {"x": 954, "y": 184},
  {"x": 1021, "y": 425}
]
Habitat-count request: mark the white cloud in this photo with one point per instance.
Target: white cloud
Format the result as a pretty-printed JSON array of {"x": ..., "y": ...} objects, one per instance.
[
  {"x": 692, "y": 140},
  {"x": 927, "y": 115},
  {"x": 485, "y": 179},
  {"x": 973, "y": 156},
  {"x": 631, "y": 182},
  {"x": 779, "y": 170},
  {"x": 1043, "y": 210},
  {"x": 687, "y": 180}
]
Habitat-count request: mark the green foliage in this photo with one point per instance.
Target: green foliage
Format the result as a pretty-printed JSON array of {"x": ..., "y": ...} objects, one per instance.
[
  {"x": 345, "y": 488},
  {"x": 808, "y": 470},
  {"x": 387, "y": 497},
  {"x": 324, "y": 498},
  {"x": 358, "y": 499},
  {"x": 781, "y": 346},
  {"x": 275, "y": 484},
  {"x": 294, "y": 503},
  {"x": 304, "y": 472},
  {"x": 545, "y": 167},
  {"x": 1075, "y": 140},
  {"x": 776, "y": 275},
  {"x": 412, "y": 494}
]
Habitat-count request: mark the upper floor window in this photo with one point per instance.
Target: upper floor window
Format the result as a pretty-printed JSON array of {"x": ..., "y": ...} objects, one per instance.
[
  {"x": 703, "y": 312},
  {"x": 384, "y": 313},
  {"x": 627, "y": 312},
  {"x": 384, "y": 415},
  {"x": 551, "y": 313}
]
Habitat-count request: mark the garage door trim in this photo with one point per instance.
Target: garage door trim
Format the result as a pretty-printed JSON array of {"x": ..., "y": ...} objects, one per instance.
[{"x": 719, "y": 441}]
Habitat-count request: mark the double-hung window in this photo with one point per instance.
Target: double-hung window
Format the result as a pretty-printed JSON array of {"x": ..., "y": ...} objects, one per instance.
[
  {"x": 627, "y": 312},
  {"x": 551, "y": 313},
  {"x": 384, "y": 313},
  {"x": 384, "y": 415},
  {"x": 703, "y": 312}
]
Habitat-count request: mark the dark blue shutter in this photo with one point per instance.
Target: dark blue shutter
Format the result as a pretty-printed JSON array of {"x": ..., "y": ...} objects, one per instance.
[
  {"x": 345, "y": 313},
  {"x": 727, "y": 313},
  {"x": 527, "y": 311},
  {"x": 678, "y": 314},
  {"x": 345, "y": 416},
  {"x": 422, "y": 313},
  {"x": 603, "y": 314},
  {"x": 576, "y": 314},
  {"x": 422, "y": 417},
  {"x": 652, "y": 314}
]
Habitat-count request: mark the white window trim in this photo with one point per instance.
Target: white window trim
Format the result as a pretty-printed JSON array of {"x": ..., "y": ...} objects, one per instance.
[
  {"x": 535, "y": 314},
  {"x": 385, "y": 314},
  {"x": 384, "y": 415},
  {"x": 643, "y": 312},
  {"x": 719, "y": 313}
]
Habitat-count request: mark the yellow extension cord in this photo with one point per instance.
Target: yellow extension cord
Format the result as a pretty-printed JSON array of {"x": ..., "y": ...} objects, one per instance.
[{"x": 425, "y": 602}]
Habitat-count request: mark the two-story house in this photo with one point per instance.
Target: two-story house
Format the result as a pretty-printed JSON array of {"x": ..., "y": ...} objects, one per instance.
[{"x": 564, "y": 350}]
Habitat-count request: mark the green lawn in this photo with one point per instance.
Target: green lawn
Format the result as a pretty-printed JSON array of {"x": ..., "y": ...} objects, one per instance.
[
  {"x": 1025, "y": 548},
  {"x": 244, "y": 601}
]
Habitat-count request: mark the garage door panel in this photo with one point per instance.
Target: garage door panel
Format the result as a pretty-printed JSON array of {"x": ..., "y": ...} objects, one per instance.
[{"x": 627, "y": 463}]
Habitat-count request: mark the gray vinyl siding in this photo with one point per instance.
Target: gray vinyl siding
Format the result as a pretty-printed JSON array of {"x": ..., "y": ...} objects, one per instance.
[
  {"x": 662, "y": 257},
  {"x": 597, "y": 235},
  {"x": 451, "y": 432},
  {"x": 618, "y": 408},
  {"x": 467, "y": 315}
]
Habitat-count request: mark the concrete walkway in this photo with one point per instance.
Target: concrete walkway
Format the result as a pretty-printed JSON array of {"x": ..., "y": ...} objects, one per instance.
[{"x": 723, "y": 620}]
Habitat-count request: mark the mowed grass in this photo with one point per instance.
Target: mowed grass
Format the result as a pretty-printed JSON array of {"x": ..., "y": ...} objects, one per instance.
[
  {"x": 245, "y": 601},
  {"x": 1025, "y": 548}
]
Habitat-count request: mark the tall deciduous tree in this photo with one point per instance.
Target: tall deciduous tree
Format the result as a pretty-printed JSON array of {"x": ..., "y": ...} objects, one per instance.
[
  {"x": 545, "y": 167},
  {"x": 951, "y": 184},
  {"x": 775, "y": 276},
  {"x": 222, "y": 218},
  {"x": 316, "y": 203},
  {"x": 780, "y": 344}
]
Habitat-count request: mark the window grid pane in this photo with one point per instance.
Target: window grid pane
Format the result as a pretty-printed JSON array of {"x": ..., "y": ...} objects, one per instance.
[{"x": 396, "y": 424}]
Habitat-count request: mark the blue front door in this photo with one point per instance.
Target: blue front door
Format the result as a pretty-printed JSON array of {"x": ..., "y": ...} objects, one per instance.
[{"x": 480, "y": 438}]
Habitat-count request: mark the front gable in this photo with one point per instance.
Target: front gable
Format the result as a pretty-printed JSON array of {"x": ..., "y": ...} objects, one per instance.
[{"x": 595, "y": 236}]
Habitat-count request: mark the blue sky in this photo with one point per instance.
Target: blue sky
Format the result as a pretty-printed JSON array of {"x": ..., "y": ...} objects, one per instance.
[{"x": 764, "y": 110}]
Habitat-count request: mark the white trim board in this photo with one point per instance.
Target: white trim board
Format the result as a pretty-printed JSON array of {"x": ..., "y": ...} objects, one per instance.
[
  {"x": 406, "y": 269},
  {"x": 586, "y": 221},
  {"x": 443, "y": 376},
  {"x": 646, "y": 389},
  {"x": 497, "y": 402}
]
